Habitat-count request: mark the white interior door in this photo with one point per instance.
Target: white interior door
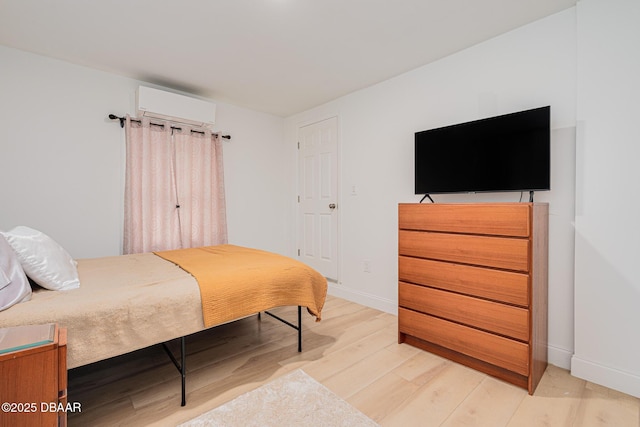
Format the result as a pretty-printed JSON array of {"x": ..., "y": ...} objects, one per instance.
[{"x": 318, "y": 199}]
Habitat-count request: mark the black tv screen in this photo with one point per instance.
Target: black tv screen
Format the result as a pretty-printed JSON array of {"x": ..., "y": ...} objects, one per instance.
[{"x": 503, "y": 153}]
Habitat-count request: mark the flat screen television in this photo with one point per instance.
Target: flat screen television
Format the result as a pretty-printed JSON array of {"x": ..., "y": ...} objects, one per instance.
[{"x": 503, "y": 153}]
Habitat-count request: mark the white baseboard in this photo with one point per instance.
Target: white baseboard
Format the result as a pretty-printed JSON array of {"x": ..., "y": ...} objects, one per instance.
[
  {"x": 559, "y": 357},
  {"x": 373, "y": 301},
  {"x": 612, "y": 378}
]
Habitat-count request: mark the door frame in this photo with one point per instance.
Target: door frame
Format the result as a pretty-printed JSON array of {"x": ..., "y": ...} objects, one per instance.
[{"x": 298, "y": 214}]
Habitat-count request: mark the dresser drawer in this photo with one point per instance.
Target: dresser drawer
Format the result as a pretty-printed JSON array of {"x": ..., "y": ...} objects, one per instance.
[
  {"x": 501, "y": 220},
  {"x": 505, "y": 286},
  {"x": 503, "y": 352},
  {"x": 488, "y": 315},
  {"x": 498, "y": 252}
]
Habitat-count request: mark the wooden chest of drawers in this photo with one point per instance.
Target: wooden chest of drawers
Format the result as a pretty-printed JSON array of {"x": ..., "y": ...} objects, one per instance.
[{"x": 473, "y": 285}]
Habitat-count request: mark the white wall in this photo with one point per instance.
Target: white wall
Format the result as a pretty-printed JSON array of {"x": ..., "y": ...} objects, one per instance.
[
  {"x": 62, "y": 160},
  {"x": 526, "y": 68},
  {"x": 607, "y": 285},
  {"x": 55, "y": 178}
]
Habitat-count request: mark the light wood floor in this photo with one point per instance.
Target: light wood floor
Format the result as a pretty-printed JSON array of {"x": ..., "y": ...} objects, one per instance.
[{"x": 353, "y": 352}]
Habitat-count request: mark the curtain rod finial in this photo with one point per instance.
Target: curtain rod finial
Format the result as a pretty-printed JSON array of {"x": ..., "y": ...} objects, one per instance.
[{"x": 113, "y": 117}]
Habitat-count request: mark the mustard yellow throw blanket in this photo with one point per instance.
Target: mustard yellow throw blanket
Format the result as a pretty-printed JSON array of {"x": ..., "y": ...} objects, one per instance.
[{"x": 236, "y": 282}]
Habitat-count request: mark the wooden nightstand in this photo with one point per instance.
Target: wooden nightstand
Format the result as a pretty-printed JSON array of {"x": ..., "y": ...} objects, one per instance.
[{"x": 33, "y": 375}]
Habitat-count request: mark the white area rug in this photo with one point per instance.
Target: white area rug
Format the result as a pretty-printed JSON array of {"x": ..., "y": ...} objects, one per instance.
[{"x": 295, "y": 399}]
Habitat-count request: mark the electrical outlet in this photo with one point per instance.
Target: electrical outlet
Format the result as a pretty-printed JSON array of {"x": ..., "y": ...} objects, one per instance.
[{"x": 366, "y": 266}]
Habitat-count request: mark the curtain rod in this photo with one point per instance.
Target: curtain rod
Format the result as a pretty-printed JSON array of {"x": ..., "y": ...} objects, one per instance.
[{"x": 122, "y": 120}]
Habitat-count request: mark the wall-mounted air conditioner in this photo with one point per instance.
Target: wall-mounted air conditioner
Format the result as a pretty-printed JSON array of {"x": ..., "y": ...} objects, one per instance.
[{"x": 163, "y": 105}]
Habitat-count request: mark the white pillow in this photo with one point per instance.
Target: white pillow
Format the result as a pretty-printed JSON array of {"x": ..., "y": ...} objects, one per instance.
[
  {"x": 14, "y": 285},
  {"x": 44, "y": 261}
]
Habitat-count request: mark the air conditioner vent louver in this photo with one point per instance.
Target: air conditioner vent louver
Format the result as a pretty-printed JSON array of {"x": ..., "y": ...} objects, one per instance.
[{"x": 169, "y": 106}]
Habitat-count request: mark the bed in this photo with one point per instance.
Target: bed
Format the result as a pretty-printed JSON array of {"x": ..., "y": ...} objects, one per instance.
[{"x": 125, "y": 303}]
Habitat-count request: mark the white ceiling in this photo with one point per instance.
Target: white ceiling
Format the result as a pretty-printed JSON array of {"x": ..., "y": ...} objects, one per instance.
[{"x": 276, "y": 56}]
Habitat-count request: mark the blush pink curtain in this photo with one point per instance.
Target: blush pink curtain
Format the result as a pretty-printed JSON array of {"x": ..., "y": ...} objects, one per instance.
[
  {"x": 174, "y": 188},
  {"x": 200, "y": 188}
]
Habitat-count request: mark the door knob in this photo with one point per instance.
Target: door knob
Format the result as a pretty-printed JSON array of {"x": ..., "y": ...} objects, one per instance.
[{"x": 332, "y": 206}]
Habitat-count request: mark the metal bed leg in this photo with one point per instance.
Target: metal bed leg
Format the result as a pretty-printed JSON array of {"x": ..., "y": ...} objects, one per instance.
[
  {"x": 183, "y": 371},
  {"x": 180, "y": 366},
  {"x": 297, "y": 328}
]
